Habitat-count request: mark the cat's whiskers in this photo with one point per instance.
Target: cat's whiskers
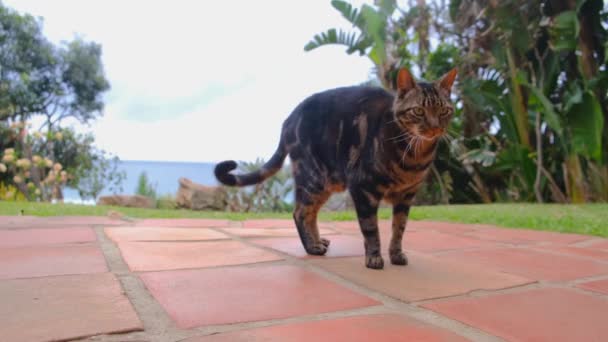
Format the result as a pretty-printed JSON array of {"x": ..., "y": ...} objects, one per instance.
[{"x": 404, "y": 135}]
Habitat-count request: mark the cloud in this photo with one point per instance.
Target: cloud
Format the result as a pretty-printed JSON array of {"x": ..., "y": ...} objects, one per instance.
[{"x": 202, "y": 81}]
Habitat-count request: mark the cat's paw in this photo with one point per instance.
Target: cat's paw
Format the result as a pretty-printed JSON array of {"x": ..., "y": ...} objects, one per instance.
[
  {"x": 398, "y": 258},
  {"x": 325, "y": 242},
  {"x": 317, "y": 249},
  {"x": 374, "y": 262}
]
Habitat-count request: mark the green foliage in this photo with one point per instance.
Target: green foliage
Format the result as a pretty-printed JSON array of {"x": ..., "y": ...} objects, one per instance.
[
  {"x": 145, "y": 187},
  {"x": 10, "y": 193},
  {"x": 271, "y": 195},
  {"x": 531, "y": 121},
  {"x": 586, "y": 121},
  {"x": 564, "y": 31},
  {"x": 38, "y": 78},
  {"x": 166, "y": 202},
  {"x": 369, "y": 40},
  {"x": 48, "y": 83}
]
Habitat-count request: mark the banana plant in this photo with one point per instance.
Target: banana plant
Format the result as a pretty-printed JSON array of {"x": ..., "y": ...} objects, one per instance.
[{"x": 370, "y": 37}]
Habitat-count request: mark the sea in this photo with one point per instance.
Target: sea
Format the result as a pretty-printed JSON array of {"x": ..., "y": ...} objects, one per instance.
[{"x": 162, "y": 175}]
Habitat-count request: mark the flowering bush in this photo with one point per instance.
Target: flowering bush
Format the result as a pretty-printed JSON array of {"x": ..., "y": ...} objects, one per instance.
[{"x": 36, "y": 177}]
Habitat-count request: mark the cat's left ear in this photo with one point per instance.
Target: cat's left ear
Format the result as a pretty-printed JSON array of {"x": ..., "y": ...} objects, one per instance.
[{"x": 446, "y": 81}]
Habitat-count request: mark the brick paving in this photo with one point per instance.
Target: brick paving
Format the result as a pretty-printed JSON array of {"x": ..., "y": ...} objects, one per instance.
[{"x": 103, "y": 279}]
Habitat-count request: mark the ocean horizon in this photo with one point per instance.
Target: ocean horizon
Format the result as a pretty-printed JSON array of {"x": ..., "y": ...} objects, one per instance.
[{"x": 163, "y": 175}]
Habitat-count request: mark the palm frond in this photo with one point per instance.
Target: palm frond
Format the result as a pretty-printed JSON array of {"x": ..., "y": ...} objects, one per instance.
[
  {"x": 354, "y": 41},
  {"x": 349, "y": 13}
]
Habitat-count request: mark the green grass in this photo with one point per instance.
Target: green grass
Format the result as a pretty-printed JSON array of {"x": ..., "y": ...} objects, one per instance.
[{"x": 590, "y": 219}]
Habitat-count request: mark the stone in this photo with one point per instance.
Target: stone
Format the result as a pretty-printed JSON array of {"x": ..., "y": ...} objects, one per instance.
[
  {"x": 231, "y": 295},
  {"x": 340, "y": 246},
  {"x": 183, "y": 223},
  {"x": 383, "y": 327},
  {"x": 270, "y": 232},
  {"x": 600, "y": 286},
  {"x": 195, "y": 196},
  {"x": 532, "y": 264},
  {"x": 64, "y": 308},
  {"x": 546, "y": 314},
  {"x": 131, "y": 201},
  {"x": 45, "y": 236},
  {"x": 156, "y": 256},
  {"x": 41, "y": 261},
  {"x": 122, "y": 234},
  {"x": 425, "y": 277}
]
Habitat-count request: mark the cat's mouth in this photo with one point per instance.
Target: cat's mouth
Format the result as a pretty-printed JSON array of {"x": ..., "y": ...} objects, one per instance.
[{"x": 432, "y": 133}]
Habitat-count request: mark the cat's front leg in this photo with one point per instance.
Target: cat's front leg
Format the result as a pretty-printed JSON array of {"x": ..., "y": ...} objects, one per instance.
[
  {"x": 400, "y": 214},
  {"x": 366, "y": 204}
]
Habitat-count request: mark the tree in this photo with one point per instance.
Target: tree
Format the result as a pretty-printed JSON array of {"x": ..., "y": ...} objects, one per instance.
[
  {"x": 41, "y": 80},
  {"x": 145, "y": 187}
]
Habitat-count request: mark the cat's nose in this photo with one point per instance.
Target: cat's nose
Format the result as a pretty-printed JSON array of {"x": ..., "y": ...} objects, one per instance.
[{"x": 434, "y": 132}]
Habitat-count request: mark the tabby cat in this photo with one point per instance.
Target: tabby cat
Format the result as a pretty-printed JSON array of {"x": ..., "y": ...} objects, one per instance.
[{"x": 376, "y": 145}]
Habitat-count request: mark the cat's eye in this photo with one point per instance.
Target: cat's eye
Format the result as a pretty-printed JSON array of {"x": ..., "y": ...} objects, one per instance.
[
  {"x": 418, "y": 111},
  {"x": 445, "y": 112}
]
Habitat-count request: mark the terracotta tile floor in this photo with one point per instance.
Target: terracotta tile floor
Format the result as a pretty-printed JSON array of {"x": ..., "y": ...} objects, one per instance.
[
  {"x": 243, "y": 294},
  {"x": 66, "y": 278},
  {"x": 547, "y": 314}
]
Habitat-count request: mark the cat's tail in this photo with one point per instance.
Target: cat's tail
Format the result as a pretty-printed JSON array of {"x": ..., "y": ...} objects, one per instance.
[{"x": 222, "y": 170}]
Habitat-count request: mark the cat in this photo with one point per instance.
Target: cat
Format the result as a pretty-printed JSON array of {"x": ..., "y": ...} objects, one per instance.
[{"x": 376, "y": 145}]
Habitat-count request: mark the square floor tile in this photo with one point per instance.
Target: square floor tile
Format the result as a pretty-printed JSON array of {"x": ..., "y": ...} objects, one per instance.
[
  {"x": 531, "y": 264},
  {"x": 244, "y": 294},
  {"x": 549, "y": 314},
  {"x": 119, "y": 234},
  {"x": 443, "y": 227},
  {"x": 524, "y": 236},
  {"x": 596, "y": 254},
  {"x": 66, "y": 307},
  {"x": 425, "y": 277},
  {"x": 277, "y": 223},
  {"x": 600, "y": 286},
  {"x": 269, "y": 232},
  {"x": 384, "y": 328},
  {"x": 155, "y": 256},
  {"x": 42, "y": 236},
  {"x": 341, "y": 245},
  {"x": 184, "y": 223},
  {"x": 40, "y": 261},
  {"x": 600, "y": 244},
  {"x": 62, "y": 221},
  {"x": 430, "y": 241}
]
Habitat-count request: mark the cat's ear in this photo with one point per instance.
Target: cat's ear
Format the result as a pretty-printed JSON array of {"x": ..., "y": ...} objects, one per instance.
[
  {"x": 446, "y": 81},
  {"x": 405, "y": 81}
]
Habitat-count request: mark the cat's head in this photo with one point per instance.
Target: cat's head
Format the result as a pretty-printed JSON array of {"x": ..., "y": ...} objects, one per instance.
[{"x": 424, "y": 109}]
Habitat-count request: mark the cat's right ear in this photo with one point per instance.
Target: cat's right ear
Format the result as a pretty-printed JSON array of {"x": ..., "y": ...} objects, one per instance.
[{"x": 405, "y": 81}]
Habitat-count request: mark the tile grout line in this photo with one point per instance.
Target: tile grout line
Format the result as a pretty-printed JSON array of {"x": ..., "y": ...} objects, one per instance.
[
  {"x": 388, "y": 304},
  {"x": 154, "y": 319},
  {"x": 396, "y": 306}
]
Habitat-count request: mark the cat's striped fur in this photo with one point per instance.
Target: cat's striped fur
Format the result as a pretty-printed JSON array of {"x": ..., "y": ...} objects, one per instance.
[{"x": 365, "y": 140}]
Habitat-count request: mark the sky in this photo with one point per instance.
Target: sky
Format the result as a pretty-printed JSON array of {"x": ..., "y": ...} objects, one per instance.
[{"x": 201, "y": 81}]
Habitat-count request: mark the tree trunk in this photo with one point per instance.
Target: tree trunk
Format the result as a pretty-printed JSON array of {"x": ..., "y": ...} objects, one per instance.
[{"x": 575, "y": 179}]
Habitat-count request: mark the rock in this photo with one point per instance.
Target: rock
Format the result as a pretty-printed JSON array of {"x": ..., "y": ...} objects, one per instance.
[
  {"x": 133, "y": 201},
  {"x": 200, "y": 197}
]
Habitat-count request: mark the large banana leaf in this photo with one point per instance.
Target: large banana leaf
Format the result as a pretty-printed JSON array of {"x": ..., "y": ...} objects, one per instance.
[
  {"x": 586, "y": 122},
  {"x": 349, "y": 13},
  {"x": 548, "y": 110},
  {"x": 375, "y": 23},
  {"x": 564, "y": 31}
]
